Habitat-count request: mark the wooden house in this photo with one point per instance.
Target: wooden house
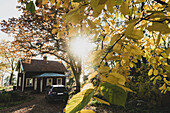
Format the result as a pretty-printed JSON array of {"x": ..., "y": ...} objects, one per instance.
[{"x": 39, "y": 74}]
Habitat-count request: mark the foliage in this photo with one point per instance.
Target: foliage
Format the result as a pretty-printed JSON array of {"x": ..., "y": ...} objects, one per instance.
[
  {"x": 125, "y": 31},
  {"x": 146, "y": 91},
  {"x": 9, "y": 56}
]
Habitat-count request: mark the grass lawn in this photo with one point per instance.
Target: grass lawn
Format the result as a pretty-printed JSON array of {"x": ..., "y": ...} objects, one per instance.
[{"x": 12, "y": 98}]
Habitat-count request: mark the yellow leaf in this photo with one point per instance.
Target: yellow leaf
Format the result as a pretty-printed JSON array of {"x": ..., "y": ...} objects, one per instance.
[
  {"x": 74, "y": 16},
  {"x": 117, "y": 14},
  {"x": 152, "y": 78},
  {"x": 103, "y": 69},
  {"x": 125, "y": 88},
  {"x": 87, "y": 86},
  {"x": 158, "y": 39},
  {"x": 109, "y": 79},
  {"x": 110, "y": 4},
  {"x": 54, "y": 31},
  {"x": 91, "y": 24},
  {"x": 132, "y": 33},
  {"x": 110, "y": 57},
  {"x": 168, "y": 51},
  {"x": 150, "y": 72},
  {"x": 107, "y": 39},
  {"x": 60, "y": 34},
  {"x": 155, "y": 72},
  {"x": 120, "y": 78},
  {"x": 124, "y": 8},
  {"x": 164, "y": 55},
  {"x": 92, "y": 75},
  {"x": 58, "y": 4},
  {"x": 161, "y": 27},
  {"x": 102, "y": 101},
  {"x": 52, "y": 1},
  {"x": 44, "y": 2},
  {"x": 114, "y": 38},
  {"x": 97, "y": 10},
  {"x": 101, "y": 91},
  {"x": 86, "y": 111},
  {"x": 106, "y": 28},
  {"x": 94, "y": 3},
  {"x": 131, "y": 64}
]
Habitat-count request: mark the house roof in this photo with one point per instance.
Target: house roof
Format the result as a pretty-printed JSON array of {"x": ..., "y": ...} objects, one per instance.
[
  {"x": 50, "y": 75},
  {"x": 42, "y": 66}
]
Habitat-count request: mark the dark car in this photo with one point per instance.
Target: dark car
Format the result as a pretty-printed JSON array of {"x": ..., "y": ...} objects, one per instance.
[{"x": 56, "y": 93}]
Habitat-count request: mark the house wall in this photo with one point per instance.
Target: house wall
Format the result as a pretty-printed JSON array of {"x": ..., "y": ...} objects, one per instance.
[
  {"x": 31, "y": 74},
  {"x": 20, "y": 75}
]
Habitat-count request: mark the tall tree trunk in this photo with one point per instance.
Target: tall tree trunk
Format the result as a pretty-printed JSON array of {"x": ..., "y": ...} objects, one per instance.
[
  {"x": 77, "y": 77},
  {"x": 76, "y": 68}
]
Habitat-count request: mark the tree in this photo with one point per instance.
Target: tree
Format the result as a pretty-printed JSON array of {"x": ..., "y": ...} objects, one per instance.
[
  {"x": 126, "y": 31},
  {"x": 43, "y": 32},
  {"x": 9, "y": 58}
]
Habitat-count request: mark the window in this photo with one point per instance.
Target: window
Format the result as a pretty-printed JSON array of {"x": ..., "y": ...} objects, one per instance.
[
  {"x": 19, "y": 84},
  {"x": 29, "y": 82},
  {"x": 59, "y": 81},
  {"x": 49, "y": 81}
]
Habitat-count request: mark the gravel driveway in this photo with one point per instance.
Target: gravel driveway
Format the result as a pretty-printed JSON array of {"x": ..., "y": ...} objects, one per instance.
[{"x": 37, "y": 105}]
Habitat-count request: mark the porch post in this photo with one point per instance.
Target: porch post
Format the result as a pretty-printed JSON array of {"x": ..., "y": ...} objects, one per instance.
[
  {"x": 35, "y": 84},
  {"x": 41, "y": 85},
  {"x": 23, "y": 81}
]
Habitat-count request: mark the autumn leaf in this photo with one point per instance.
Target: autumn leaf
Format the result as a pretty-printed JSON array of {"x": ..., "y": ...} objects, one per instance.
[
  {"x": 133, "y": 33},
  {"x": 91, "y": 76},
  {"x": 44, "y": 2},
  {"x": 110, "y": 4},
  {"x": 102, "y": 101},
  {"x": 52, "y": 1},
  {"x": 78, "y": 101},
  {"x": 124, "y": 8},
  {"x": 155, "y": 72},
  {"x": 150, "y": 72},
  {"x": 114, "y": 94},
  {"x": 161, "y": 27},
  {"x": 86, "y": 111}
]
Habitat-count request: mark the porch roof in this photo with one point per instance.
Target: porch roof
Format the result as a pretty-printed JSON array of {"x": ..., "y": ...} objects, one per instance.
[{"x": 50, "y": 75}]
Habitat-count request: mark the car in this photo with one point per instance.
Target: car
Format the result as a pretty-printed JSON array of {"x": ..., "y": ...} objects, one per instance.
[{"x": 56, "y": 93}]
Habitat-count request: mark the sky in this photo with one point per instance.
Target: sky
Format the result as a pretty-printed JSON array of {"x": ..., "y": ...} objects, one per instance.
[{"x": 8, "y": 10}]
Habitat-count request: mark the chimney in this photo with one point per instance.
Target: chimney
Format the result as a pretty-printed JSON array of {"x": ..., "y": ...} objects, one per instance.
[{"x": 45, "y": 59}]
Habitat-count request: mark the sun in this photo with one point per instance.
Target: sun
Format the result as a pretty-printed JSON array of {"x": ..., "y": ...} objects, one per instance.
[{"x": 80, "y": 47}]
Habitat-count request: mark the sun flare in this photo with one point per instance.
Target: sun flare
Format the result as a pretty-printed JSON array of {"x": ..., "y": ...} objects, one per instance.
[{"x": 80, "y": 47}]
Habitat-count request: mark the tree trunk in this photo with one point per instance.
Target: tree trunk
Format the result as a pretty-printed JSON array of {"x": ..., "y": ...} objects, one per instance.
[
  {"x": 77, "y": 77},
  {"x": 10, "y": 79}
]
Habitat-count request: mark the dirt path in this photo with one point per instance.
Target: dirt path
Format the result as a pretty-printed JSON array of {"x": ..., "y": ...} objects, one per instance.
[{"x": 38, "y": 105}]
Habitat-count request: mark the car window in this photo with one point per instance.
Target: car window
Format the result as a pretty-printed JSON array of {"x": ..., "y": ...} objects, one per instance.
[{"x": 59, "y": 89}]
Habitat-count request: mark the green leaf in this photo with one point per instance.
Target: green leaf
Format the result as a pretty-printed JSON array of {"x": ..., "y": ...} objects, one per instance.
[
  {"x": 30, "y": 7},
  {"x": 78, "y": 101},
  {"x": 78, "y": 0},
  {"x": 114, "y": 94}
]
